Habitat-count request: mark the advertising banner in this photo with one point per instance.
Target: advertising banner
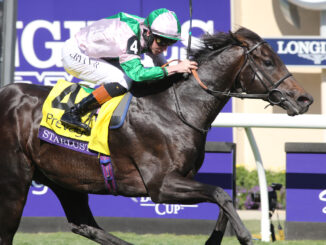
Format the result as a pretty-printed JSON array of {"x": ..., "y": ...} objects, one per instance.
[
  {"x": 305, "y": 187},
  {"x": 300, "y": 51},
  {"x": 43, "y": 26},
  {"x": 217, "y": 170}
]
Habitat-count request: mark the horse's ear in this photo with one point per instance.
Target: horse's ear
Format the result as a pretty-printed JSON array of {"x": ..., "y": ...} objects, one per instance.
[
  {"x": 232, "y": 35},
  {"x": 239, "y": 39}
]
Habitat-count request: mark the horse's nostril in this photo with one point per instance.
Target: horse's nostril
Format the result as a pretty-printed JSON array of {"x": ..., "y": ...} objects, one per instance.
[{"x": 306, "y": 100}]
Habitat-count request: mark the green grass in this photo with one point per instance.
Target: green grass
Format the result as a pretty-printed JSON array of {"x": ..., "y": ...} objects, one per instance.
[
  {"x": 65, "y": 238},
  {"x": 147, "y": 239}
]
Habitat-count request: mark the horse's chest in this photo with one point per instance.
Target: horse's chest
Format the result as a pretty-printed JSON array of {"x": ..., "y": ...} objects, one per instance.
[{"x": 191, "y": 166}]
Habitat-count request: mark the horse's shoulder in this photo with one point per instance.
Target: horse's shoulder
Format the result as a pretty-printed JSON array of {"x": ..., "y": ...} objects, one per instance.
[
  {"x": 33, "y": 90},
  {"x": 24, "y": 88},
  {"x": 31, "y": 87},
  {"x": 16, "y": 94}
]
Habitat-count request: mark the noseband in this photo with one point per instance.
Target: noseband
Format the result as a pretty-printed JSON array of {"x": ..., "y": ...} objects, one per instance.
[{"x": 266, "y": 81}]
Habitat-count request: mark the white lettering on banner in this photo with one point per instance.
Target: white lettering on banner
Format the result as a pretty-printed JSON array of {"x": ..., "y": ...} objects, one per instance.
[
  {"x": 205, "y": 26},
  {"x": 27, "y": 38},
  {"x": 48, "y": 78},
  {"x": 163, "y": 209},
  {"x": 43, "y": 189},
  {"x": 302, "y": 47},
  {"x": 322, "y": 197},
  {"x": 27, "y": 43},
  {"x": 19, "y": 25},
  {"x": 312, "y": 50},
  {"x": 54, "y": 28},
  {"x": 74, "y": 26},
  {"x": 30, "y": 52}
]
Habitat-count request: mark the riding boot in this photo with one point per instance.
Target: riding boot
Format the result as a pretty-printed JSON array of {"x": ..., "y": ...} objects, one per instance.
[
  {"x": 72, "y": 117},
  {"x": 98, "y": 97}
]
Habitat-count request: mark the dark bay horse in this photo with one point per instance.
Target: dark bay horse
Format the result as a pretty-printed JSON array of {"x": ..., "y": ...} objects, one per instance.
[{"x": 160, "y": 146}]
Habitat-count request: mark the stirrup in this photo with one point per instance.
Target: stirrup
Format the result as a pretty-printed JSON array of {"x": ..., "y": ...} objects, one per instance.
[
  {"x": 82, "y": 126},
  {"x": 68, "y": 120}
]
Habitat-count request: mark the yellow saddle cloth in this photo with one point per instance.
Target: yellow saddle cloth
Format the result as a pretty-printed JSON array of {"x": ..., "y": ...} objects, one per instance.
[{"x": 64, "y": 95}]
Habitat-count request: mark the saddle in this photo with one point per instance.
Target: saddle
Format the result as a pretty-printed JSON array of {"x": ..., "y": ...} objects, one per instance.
[{"x": 63, "y": 95}]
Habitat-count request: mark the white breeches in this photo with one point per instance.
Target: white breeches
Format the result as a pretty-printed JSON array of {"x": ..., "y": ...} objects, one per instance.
[{"x": 97, "y": 71}]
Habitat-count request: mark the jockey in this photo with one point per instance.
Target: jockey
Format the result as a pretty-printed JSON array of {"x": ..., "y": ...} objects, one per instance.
[{"x": 107, "y": 53}]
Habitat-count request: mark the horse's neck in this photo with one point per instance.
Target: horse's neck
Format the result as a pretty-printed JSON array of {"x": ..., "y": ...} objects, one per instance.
[{"x": 198, "y": 107}]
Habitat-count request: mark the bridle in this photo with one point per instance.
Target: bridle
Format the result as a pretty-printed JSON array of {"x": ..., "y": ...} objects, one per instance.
[{"x": 271, "y": 91}]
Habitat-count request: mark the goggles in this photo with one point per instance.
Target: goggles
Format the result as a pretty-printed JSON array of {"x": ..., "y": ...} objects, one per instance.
[{"x": 163, "y": 42}]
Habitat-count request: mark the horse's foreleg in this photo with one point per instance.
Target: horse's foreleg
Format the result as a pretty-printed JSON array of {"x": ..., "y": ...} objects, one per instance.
[
  {"x": 97, "y": 235},
  {"x": 218, "y": 233},
  {"x": 12, "y": 201},
  {"x": 15, "y": 178},
  {"x": 80, "y": 217},
  {"x": 175, "y": 188}
]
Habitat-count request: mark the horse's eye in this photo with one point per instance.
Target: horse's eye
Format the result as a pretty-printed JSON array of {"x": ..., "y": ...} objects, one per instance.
[{"x": 268, "y": 63}]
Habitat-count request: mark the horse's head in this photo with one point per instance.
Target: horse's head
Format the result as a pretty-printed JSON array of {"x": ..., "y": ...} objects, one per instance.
[{"x": 263, "y": 72}]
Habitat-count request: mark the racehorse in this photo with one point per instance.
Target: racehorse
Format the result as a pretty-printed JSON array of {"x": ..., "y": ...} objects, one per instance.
[{"x": 160, "y": 146}]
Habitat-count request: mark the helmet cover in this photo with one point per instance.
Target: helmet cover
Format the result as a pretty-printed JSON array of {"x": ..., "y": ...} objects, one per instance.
[{"x": 164, "y": 23}]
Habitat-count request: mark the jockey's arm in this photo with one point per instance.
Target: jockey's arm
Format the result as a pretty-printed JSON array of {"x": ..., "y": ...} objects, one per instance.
[{"x": 137, "y": 72}]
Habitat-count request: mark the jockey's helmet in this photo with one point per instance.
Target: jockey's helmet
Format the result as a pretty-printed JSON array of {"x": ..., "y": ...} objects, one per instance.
[{"x": 164, "y": 23}]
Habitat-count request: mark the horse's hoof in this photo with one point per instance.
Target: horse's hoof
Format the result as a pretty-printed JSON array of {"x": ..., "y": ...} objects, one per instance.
[
  {"x": 215, "y": 238},
  {"x": 245, "y": 238}
]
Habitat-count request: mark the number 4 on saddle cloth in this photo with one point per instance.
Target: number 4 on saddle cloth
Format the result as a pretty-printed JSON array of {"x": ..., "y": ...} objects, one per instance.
[{"x": 63, "y": 96}]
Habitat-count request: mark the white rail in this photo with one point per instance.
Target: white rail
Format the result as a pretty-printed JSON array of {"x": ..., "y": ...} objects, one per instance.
[
  {"x": 251, "y": 120},
  {"x": 248, "y": 121}
]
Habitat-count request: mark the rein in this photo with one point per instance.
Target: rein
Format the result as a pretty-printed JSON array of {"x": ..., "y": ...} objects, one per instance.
[
  {"x": 270, "y": 91},
  {"x": 182, "y": 118},
  {"x": 177, "y": 105},
  {"x": 255, "y": 68}
]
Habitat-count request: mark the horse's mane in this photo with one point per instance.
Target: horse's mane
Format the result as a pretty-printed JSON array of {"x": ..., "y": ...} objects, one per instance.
[
  {"x": 219, "y": 40},
  {"x": 210, "y": 43}
]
